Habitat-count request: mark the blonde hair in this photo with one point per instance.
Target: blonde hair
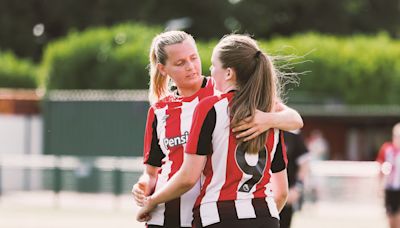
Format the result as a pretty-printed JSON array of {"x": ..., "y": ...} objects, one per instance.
[
  {"x": 256, "y": 80},
  {"x": 158, "y": 82}
]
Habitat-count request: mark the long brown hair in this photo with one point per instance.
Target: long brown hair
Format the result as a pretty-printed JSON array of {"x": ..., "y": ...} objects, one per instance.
[
  {"x": 159, "y": 82},
  {"x": 256, "y": 81}
]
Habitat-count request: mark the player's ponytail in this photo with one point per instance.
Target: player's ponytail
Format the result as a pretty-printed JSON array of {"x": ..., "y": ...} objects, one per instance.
[{"x": 256, "y": 82}]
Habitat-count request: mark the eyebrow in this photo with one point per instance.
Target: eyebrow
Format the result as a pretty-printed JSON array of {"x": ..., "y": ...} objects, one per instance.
[{"x": 194, "y": 54}]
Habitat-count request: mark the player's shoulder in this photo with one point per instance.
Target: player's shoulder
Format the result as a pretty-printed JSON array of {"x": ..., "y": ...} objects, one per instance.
[
  {"x": 206, "y": 104},
  {"x": 387, "y": 145},
  {"x": 210, "y": 101},
  {"x": 163, "y": 102}
]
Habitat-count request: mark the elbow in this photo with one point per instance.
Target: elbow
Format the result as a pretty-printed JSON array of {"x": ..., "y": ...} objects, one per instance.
[
  {"x": 299, "y": 122},
  {"x": 294, "y": 125},
  {"x": 187, "y": 182},
  {"x": 301, "y": 125},
  {"x": 282, "y": 197}
]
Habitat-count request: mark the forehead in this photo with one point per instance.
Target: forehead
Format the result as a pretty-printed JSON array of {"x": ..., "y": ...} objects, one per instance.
[
  {"x": 215, "y": 55},
  {"x": 181, "y": 50}
]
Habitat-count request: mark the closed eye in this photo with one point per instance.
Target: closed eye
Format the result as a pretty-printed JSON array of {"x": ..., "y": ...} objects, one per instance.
[{"x": 180, "y": 63}]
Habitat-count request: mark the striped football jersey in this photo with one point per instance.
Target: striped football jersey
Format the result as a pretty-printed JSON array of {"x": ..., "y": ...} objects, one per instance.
[
  {"x": 231, "y": 176},
  {"x": 390, "y": 155},
  {"x": 167, "y": 131}
]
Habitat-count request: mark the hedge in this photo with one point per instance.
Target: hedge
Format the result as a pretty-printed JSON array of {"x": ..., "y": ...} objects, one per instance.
[
  {"x": 353, "y": 70},
  {"x": 99, "y": 58},
  {"x": 16, "y": 73},
  {"x": 358, "y": 69}
]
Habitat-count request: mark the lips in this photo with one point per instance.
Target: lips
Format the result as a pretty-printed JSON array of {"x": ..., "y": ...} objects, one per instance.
[{"x": 191, "y": 75}]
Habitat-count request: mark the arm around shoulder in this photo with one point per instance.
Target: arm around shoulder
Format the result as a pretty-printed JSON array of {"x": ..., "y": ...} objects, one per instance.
[{"x": 286, "y": 118}]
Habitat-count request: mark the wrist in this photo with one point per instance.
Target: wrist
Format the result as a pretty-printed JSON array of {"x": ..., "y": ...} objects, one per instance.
[
  {"x": 267, "y": 121},
  {"x": 271, "y": 120},
  {"x": 151, "y": 201}
]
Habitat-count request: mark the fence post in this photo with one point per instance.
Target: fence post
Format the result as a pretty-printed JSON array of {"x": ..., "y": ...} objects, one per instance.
[
  {"x": 117, "y": 182},
  {"x": 57, "y": 180},
  {"x": 1, "y": 181}
]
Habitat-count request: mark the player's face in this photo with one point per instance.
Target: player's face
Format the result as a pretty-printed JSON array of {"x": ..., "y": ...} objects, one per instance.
[
  {"x": 218, "y": 72},
  {"x": 396, "y": 137},
  {"x": 183, "y": 64}
]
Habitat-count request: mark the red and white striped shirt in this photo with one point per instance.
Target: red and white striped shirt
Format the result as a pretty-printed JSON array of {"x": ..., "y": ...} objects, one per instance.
[
  {"x": 167, "y": 131},
  {"x": 390, "y": 155},
  {"x": 233, "y": 182}
]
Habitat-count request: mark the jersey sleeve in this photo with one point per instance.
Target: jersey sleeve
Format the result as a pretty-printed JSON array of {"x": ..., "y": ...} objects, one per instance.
[
  {"x": 152, "y": 153},
  {"x": 381, "y": 154},
  {"x": 280, "y": 161},
  {"x": 203, "y": 124}
]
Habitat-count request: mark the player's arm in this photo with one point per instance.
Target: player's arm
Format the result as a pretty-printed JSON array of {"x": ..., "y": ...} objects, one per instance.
[
  {"x": 279, "y": 178},
  {"x": 145, "y": 184},
  {"x": 152, "y": 157},
  {"x": 180, "y": 183},
  {"x": 280, "y": 189},
  {"x": 283, "y": 117}
]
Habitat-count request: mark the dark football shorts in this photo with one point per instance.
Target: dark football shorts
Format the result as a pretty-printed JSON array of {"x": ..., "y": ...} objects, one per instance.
[{"x": 392, "y": 201}]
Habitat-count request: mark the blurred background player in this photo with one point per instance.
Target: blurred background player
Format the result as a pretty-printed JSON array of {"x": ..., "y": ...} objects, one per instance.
[{"x": 389, "y": 158}]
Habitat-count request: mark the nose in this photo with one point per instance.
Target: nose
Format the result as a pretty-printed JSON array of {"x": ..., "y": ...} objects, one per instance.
[{"x": 189, "y": 66}]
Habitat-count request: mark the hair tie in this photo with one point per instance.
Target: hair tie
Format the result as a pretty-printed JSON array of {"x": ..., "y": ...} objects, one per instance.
[{"x": 257, "y": 54}]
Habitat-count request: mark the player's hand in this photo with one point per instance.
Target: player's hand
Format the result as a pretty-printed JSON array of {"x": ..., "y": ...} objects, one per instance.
[
  {"x": 139, "y": 191},
  {"x": 250, "y": 128},
  {"x": 144, "y": 213}
]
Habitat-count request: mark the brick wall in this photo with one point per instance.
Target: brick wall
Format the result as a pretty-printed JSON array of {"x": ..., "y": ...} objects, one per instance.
[{"x": 17, "y": 101}]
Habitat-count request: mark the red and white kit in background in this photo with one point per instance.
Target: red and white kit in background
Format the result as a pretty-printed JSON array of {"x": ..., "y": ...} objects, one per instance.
[
  {"x": 167, "y": 131},
  {"x": 234, "y": 184},
  {"x": 390, "y": 154}
]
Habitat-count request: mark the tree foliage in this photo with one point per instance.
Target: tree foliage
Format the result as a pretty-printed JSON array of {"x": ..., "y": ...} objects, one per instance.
[
  {"x": 16, "y": 73},
  {"x": 205, "y": 19},
  {"x": 350, "y": 69},
  {"x": 99, "y": 58},
  {"x": 353, "y": 70}
]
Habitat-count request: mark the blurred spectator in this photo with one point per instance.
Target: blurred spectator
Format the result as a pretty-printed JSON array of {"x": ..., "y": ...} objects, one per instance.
[
  {"x": 389, "y": 158},
  {"x": 318, "y": 146},
  {"x": 297, "y": 157}
]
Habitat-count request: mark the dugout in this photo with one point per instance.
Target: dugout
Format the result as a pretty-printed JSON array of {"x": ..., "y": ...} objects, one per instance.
[
  {"x": 91, "y": 123},
  {"x": 94, "y": 123}
]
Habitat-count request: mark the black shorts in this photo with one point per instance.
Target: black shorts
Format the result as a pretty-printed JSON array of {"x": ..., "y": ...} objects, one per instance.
[
  {"x": 228, "y": 217},
  {"x": 261, "y": 222},
  {"x": 392, "y": 201}
]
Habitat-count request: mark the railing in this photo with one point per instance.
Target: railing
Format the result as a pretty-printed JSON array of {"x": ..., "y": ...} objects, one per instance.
[
  {"x": 333, "y": 181},
  {"x": 68, "y": 173}
]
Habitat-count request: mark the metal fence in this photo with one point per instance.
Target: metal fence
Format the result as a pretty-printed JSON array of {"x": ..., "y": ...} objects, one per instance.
[{"x": 68, "y": 173}]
